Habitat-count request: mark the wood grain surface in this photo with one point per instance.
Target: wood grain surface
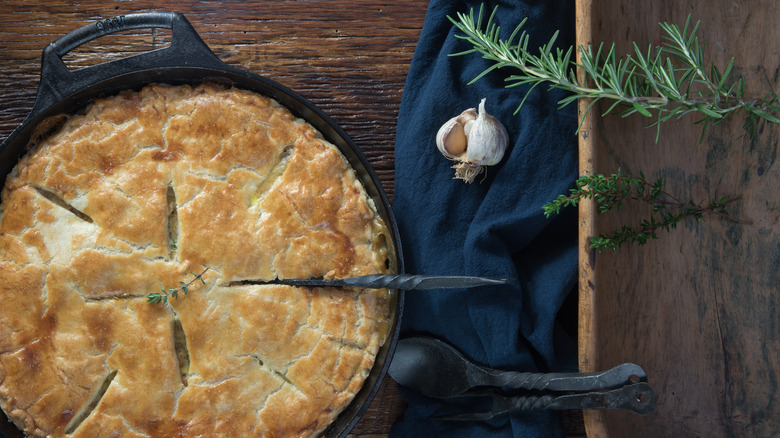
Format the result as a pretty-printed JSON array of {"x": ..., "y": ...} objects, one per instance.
[
  {"x": 348, "y": 58},
  {"x": 697, "y": 308}
]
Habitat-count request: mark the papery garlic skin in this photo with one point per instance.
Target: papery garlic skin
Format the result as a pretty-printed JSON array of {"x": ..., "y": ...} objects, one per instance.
[
  {"x": 475, "y": 139},
  {"x": 487, "y": 139}
]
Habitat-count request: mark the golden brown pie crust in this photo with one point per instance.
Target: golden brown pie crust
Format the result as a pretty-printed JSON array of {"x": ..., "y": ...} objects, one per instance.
[{"x": 137, "y": 194}]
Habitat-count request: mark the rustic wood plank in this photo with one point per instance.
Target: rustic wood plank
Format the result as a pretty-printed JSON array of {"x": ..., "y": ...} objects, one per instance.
[
  {"x": 587, "y": 138},
  {"x": 385, "y": 409},
  {"x": 699, "y": 307}
]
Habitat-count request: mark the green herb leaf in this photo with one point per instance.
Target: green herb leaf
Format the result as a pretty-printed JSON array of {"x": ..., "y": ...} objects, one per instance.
[
  {"x": 664, "y": 82},
  {"x": 611, "y": 192},
  {"x": 156, "y": 297}
]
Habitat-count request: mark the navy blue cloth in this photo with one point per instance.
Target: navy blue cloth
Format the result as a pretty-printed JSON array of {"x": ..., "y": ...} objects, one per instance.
[{"x": 494, "y": 226}]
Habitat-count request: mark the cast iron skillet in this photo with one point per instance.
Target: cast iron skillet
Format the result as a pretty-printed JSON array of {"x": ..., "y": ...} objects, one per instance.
[{"x": 188, "y": 60}]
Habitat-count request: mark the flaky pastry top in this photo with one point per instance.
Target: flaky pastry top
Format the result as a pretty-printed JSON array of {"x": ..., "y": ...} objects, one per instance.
[{"x": 139, "y": 194}]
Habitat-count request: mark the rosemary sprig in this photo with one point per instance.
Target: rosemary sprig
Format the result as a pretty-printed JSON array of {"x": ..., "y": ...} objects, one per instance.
[
  {"x": 662, "y": 83},
  {"x": 162, "y": 296},
  {"x": 611, "y": 192}
]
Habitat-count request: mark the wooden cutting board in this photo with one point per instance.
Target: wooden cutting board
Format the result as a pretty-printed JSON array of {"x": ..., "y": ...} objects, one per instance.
[{"x": 697, "y": 308}]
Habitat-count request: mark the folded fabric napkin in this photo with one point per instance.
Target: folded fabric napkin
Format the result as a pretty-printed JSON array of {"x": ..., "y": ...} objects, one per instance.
[{"x": 494, "y": 226}]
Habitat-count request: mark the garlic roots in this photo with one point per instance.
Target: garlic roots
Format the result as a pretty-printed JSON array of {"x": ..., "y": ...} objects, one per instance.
[{"x": 473, "y": 139}]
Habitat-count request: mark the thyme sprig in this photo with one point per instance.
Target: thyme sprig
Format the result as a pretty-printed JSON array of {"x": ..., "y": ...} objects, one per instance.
[
  {"x": 663, "y": 83},
  {"x": 612, "y": 192},
  {"x": 164, "y": 294}
]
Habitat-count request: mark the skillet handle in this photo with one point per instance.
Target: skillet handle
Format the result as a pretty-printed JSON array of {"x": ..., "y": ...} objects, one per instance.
[{"x": 187, "y": 49}]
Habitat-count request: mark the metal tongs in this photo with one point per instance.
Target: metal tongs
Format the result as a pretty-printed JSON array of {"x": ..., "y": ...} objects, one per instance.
[
  {"x": 436, "y": 369},
  {"x": 637, "y": 397}
]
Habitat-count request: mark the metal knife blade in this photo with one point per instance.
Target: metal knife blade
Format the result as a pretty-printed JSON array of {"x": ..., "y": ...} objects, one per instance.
[{"x": 400, "y": 281}]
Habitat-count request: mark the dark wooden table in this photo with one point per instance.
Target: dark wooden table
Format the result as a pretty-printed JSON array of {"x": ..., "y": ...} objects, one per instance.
[{"x": 349, "y": 58}]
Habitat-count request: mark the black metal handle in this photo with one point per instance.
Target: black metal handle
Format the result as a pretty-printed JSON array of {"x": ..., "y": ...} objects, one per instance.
[
  {"x": 112, "y": 25},
  {"x": 637, "y": 397},
  {"x": 616, "y": 377},
  {"x": 187, "y": 49}
]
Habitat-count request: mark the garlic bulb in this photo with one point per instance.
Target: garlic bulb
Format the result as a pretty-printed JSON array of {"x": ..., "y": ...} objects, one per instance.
[{"x": 473, "y": 139}]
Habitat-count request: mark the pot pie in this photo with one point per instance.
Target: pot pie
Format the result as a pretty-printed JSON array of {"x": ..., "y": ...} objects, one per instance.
[{"x": 213, "y": 188}]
